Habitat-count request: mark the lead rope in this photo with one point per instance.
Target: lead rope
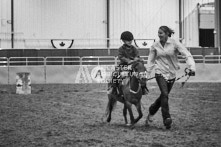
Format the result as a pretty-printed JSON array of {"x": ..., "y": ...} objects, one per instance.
[{"x": 186, "y": 70}]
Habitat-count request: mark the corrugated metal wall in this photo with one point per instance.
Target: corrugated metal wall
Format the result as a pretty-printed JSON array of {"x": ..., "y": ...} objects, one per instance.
[
  {"x": 86, "y": 20},
  {"x": 142, "y": 17},
  {"x": 61, "y": 18},
  {"x": 48, "y": 19},
  {"x": 207, "y": 18},
  {"x": 55, "y": 19},
  {"x": 191, "y": 29},
  {"x": 5, "y": 26}
]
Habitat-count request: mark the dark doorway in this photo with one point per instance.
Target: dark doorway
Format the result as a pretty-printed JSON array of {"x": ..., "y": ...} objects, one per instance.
[{"x": 206, "y": 37}]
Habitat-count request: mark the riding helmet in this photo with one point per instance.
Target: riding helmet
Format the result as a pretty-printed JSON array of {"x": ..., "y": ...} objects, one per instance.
[{"x": 127, "y": 36}]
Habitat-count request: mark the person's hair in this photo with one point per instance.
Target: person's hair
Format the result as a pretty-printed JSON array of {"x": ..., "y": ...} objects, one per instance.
[
  {"x": 168, "y": 30},
  {"x": 127, "y": 36}
]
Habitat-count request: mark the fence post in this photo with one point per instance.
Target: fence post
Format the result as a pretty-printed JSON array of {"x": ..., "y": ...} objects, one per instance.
[
  {"x": 98, "y": 60},
  {"x": 80, "y": 60},
  {"x": 45, "y": 74},
  {"x": 8, "y": 69},
  {"x": 219, "y": 58}
]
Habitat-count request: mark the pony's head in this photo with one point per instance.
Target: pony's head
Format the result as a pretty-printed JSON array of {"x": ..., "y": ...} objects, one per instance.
[{"x": 139, "y": 70}]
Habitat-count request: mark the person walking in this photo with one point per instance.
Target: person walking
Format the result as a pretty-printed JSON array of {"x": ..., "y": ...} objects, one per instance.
[{"x": 163, "y": 57}]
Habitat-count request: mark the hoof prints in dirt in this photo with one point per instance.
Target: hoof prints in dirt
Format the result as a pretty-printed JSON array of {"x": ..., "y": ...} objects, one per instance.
[{"x": 67, "y": 115}]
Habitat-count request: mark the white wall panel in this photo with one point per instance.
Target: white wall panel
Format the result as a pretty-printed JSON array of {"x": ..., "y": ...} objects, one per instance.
[
  {"x": 69, "y": 19},
  {"x": 191, "y": 29},
  {"x": 83, "y": 20},
  {"x": 5, "y": 26},
  {"x": 142, "y": 17},
  {"x": 207, "y": 20}
]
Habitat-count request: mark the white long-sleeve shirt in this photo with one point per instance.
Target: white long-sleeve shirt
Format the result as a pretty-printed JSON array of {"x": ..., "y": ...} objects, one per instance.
[{"x": 165, "y": 59}]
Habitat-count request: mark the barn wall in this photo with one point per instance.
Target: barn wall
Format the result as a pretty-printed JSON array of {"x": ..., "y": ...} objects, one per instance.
[
  {"x": 42, "y": 20},
  {"x": 5, "y": 26},
  {"x": 191, "y": 29},
  {"x": 142, "y": 17},
  {"x": 207, "y": 19},
  {"x": 37, "y": 21},
  {"x": 50, "y": 19}
]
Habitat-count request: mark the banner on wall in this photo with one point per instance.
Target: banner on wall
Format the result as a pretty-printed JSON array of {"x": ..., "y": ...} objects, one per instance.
[
  {"x": 62, "y": 43},
  {"x": 144, "y": 43},
  {"x": 94, "y": 74}
]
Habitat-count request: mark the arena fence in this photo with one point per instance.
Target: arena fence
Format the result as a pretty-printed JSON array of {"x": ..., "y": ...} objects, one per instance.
[
  {"x": 66, "y": 69},
  {"x": 89, "y": 60}
]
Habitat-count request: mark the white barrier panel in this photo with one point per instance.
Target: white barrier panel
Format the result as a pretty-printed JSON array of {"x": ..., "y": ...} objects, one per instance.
[
  {"x": 95, "y": 74},
  {"x": 37, "y": 73},
  {"x": 3, "y": 75},
  {"x": 61, "y": 74},
  {"x": 78, "y": 74},
  {"x": 101, "y": 74}
]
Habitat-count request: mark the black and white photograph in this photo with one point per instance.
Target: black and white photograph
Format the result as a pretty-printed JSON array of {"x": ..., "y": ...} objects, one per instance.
[{"x": 110, "y": 73}]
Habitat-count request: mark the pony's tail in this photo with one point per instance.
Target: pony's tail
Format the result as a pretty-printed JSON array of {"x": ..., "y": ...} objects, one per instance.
[{"x": 110, "y": 105}]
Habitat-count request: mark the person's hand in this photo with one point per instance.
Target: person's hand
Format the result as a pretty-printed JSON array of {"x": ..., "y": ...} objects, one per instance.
[
  {"x": 191, "y": 73},
  {"x": 131, "y": 61},
  {"x": 136, "y": 59}
]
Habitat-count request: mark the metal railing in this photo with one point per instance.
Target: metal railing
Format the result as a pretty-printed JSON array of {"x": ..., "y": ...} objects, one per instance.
[
  {"x": 62, "y": 61},
  {"x": 89, "y": 60},
  {"x": 26, "y": 61},
  {"x": 3, "y": 61},
  {"x": 98, "y": 60},
  {"x": 210, "y": 59}
]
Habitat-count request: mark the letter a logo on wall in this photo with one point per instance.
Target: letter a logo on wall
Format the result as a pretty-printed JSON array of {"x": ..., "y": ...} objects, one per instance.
[
  {"x": 83, "y": 75},
  {"x": 98, "y": 74}
]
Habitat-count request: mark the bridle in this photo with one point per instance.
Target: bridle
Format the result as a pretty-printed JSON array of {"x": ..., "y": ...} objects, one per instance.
[{"x": 139, "y": 75}]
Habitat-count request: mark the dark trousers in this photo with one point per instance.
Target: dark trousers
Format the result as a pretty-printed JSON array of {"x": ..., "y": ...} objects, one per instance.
[{"x": 165, "y": 88}]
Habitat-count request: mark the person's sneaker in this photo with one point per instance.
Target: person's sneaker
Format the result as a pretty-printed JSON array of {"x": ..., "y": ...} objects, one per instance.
[
  {"x": 167, "y": 123},
  {"x": 149, "y": 119}
]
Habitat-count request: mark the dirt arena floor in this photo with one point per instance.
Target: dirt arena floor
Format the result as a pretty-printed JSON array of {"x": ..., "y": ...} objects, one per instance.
[{"x": 69, "y": 115}]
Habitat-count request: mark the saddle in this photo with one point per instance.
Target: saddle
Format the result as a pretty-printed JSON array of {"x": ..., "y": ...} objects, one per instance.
[{"x": 122, "y": 74}]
